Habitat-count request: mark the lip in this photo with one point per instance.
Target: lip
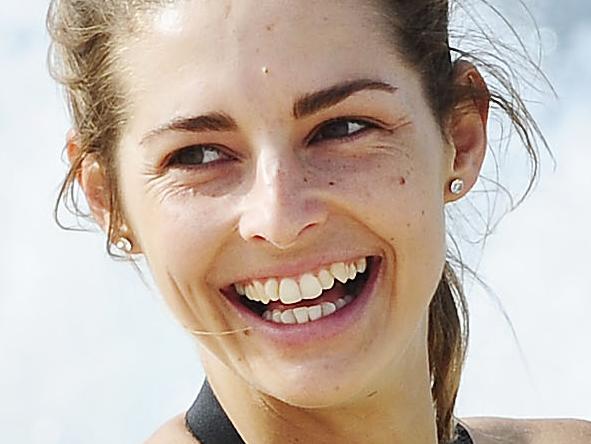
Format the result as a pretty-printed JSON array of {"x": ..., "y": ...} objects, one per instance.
[
  {"x": 294, "y": 269},
  {"x": 294, "y": 335}
]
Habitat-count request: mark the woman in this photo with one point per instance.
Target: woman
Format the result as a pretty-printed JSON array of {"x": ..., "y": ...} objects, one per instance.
[{"x": 284, "y": 168}]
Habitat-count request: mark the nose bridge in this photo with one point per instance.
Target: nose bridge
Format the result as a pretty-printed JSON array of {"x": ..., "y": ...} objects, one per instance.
[{"x": 281, "y": 204}]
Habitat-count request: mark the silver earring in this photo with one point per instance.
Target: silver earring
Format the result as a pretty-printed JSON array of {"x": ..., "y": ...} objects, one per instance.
[
  {"x": 457, "y": 186},
  {"x": 124, "y": 245}
]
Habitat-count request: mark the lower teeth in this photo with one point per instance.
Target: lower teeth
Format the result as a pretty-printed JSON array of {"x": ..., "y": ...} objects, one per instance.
[{"x": 302, "y": 315}]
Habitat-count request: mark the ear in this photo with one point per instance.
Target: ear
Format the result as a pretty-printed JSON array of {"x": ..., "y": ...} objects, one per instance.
[
  {"x": 467, "y": 129},
  {"x": 92, "y": 179}
]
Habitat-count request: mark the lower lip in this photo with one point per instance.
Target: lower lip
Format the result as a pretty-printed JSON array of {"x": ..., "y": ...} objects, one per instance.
[{"x": 323, "y": 329}]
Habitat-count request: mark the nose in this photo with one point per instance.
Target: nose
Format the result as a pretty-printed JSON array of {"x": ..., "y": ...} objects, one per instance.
[{"x": 282, "y": 203}]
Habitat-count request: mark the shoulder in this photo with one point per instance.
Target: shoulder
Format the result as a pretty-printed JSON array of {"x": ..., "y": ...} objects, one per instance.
[
  {"x": 173, "y": 432},
  {"x": 490, "y": 430}
]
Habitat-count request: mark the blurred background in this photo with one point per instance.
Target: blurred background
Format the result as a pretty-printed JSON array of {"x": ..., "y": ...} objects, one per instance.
[{"x": 89, "y": 354}]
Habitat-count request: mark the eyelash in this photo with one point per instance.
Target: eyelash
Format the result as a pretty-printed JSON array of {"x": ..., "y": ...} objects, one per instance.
[
  {"x": 367, "y": 125},
  {"x": 174, "y": 159}
]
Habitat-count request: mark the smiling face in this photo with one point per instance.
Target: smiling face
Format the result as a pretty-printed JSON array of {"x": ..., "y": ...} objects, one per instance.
[{"x": 271, "y": 140}]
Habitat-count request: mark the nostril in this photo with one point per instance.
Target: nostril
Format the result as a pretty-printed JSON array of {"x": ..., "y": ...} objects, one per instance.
[{"x": 307, "y": 228}]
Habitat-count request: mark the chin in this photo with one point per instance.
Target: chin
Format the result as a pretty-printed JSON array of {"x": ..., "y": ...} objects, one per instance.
[
  {"x": 322, "y": 382},
  {"x": 315, "y": 393}
]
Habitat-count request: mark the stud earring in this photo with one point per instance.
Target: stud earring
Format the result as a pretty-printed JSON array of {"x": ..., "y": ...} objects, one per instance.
[
  {"x": 457, "y": 186},
  {"x": 124, "y": 244}
]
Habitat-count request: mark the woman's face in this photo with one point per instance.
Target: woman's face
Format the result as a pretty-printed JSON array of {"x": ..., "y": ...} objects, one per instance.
[{"x": 271, "y": 139}]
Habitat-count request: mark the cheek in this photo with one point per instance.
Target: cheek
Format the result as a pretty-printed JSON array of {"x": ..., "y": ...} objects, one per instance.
[
  {"x": 389, "y": 194},
  {"x": 400, "y": 199},
  {"x": 184, "y": 237},
  {"x": 176, "y": 227},
  {"x": 185, "y": 233},
  {"x": 179, "y": 234}
]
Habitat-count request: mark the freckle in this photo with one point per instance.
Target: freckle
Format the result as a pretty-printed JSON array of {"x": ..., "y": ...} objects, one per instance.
[
  {"x": 228, "y": 11},
  {"x": 372, "y": 394},
  {"x": 423, "y": 213},
  {"x": 246, "y": 332},
  {"x": 407, "y": 225},
  {"x": 305, "y": 180},
  {"x": 270, "y": 27},
  {"x": 337, "y": 388},
  {"x": 402, "y": 181}
]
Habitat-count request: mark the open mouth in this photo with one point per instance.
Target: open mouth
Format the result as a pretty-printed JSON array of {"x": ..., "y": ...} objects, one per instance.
[{"x": 306, "y": 298}]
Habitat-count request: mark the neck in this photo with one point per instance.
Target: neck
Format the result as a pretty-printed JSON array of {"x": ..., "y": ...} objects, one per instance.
[{"x": 399, "y": 410}]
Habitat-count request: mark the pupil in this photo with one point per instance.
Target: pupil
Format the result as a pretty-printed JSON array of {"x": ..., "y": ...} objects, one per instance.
[
  {"x": 336, "y": 130},
  {"x": 191, "y": 156}
]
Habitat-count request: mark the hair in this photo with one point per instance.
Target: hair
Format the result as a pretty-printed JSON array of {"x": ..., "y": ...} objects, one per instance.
[{"x": 86, "y": 35}]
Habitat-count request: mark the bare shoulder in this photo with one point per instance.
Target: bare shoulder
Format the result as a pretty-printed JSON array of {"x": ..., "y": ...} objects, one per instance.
[
  {"x": 173, "y": 432},
  {"x": 490, "y": 430}
]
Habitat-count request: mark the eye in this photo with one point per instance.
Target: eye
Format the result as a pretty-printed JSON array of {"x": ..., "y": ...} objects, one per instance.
[
  {"x": 197, "y": 155},
  {"x": 341, "y": 129}
]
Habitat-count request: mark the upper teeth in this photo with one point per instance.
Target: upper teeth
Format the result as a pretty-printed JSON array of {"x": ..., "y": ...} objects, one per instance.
[{"x": 307, "y": 286}]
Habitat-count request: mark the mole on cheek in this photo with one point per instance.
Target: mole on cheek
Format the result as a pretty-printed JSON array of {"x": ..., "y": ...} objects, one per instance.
[
  {"x": 402, "y": 181},
  {"x": 331, "y": 184}
]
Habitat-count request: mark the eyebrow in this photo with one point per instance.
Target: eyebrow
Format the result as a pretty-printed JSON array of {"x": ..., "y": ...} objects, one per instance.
[
  {"x": 304, "y": 106},
  {"x": 315, "y": 102},
  {"x": 206, "y": 122}
]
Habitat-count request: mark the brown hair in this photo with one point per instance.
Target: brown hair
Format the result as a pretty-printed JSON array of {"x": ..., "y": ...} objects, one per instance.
[{"x": 86, "y": 34}]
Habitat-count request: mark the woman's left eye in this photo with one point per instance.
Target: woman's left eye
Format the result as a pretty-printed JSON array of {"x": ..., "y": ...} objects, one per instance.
[{"x": 341, "y": 129}]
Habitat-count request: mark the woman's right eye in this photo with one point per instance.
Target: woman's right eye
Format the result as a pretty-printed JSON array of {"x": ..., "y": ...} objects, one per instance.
[{"x": 197, "y": 156}]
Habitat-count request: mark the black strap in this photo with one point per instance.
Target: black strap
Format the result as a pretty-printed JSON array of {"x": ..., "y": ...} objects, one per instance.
[
  {"x": 462, "y": 436},
  {"x": 207, "y": 421},
  {"x": 209, "y": 424}
]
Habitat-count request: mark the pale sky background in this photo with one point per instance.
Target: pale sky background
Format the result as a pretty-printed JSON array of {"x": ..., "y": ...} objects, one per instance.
[{"x": 89, "y": 355}]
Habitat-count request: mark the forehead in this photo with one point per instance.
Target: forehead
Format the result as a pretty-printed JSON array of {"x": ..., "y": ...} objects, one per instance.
[{"x": 258, "y": 52}]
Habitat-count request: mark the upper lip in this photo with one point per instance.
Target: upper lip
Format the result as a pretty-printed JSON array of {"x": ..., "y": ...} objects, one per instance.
[{"x": 296, "y": 267}]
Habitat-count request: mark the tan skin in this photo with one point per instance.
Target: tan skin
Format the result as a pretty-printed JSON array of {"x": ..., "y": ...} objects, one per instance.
[
  {"x": 482, "y": 431},
  {"x": 282, "y": 194}
]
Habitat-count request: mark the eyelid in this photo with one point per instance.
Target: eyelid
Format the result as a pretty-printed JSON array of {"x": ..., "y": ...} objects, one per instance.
[
  {"x": 168, "y": 161},
  {"x": 368, "y": 122}
]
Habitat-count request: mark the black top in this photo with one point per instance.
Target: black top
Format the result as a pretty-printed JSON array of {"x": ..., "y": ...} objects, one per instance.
[{"x": 207, "y": 421}]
